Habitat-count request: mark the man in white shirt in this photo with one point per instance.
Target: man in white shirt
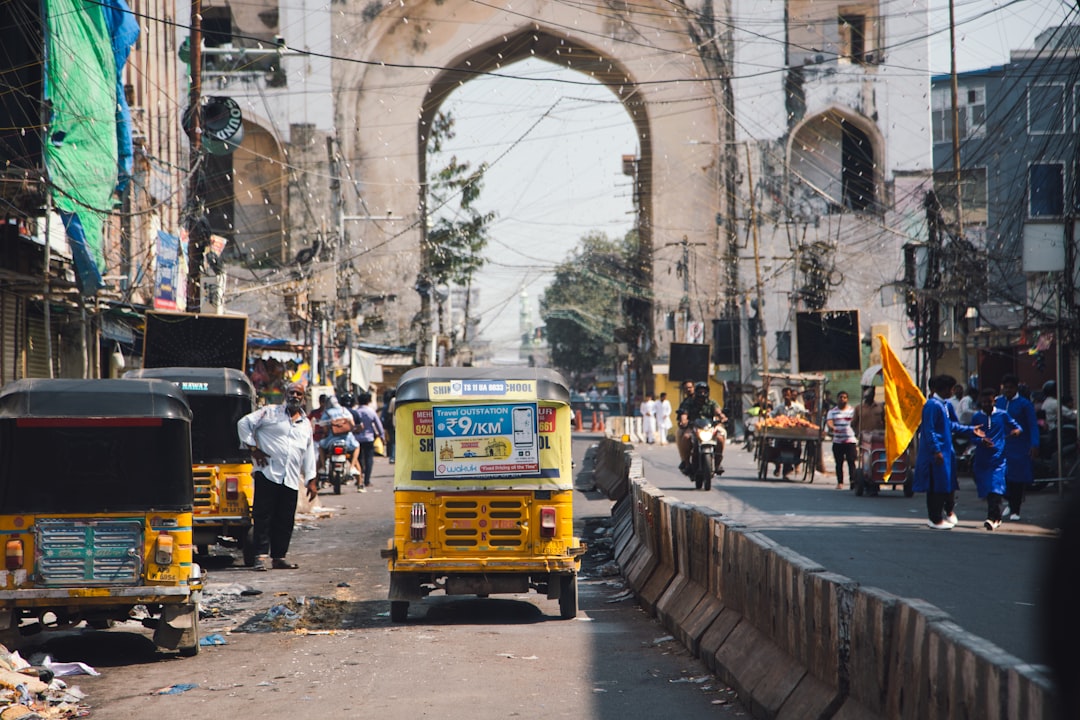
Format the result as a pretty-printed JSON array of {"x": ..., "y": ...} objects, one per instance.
[
  {"x": 648, "y": 419},
  {"x": 280, "y": 440}
]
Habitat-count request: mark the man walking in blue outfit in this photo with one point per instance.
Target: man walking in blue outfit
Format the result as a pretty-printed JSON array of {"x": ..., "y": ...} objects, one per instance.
[
  {"x": 935, "y": 469},
  {"x": 1020, "y": 450},
  {"x": 989, "y": 463}
]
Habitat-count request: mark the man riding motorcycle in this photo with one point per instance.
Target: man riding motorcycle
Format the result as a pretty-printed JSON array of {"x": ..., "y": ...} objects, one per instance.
[
  {"x": 700, "y": 405},
  {"x": 335, "y": 411}
]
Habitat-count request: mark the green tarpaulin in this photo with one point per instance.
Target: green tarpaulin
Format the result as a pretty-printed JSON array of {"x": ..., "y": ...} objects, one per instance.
[{"x": 80, "y": 140}]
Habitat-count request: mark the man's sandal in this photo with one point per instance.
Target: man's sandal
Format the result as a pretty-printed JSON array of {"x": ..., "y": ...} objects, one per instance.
[{"x": 283, "y": 564}]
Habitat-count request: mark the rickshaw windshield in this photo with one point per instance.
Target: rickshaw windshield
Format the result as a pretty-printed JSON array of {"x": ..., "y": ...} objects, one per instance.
[
  {"x": 479, "y": 429},
  {"x": 92, "y": 465},
  {"x": 213, "y": 428}
]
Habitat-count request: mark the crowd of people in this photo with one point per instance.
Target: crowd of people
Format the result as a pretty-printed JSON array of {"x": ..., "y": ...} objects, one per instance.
[{"x": 288, "y": 449}]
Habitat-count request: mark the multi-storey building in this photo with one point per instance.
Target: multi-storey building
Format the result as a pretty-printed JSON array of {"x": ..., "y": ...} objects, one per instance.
[{"x": 1018, "y": 172}]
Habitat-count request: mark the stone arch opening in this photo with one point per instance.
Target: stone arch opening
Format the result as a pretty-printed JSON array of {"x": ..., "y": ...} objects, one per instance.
[
  {"x": 245, "y": 196},
  {"x": 542, "y": 44},
  {"x": 834, "y": 163}
]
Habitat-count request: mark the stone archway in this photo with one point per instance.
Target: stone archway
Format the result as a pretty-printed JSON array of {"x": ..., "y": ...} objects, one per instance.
[
  {"x": 835, "y": 159},
  {"x": 418, "y": 54}
]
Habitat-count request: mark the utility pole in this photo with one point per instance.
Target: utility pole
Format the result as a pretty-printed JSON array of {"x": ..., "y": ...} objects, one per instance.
[
  {"x": 196, "y": 227},
  {"x": 960, "y": 319},
  {"x": 683, "y": 267},
  {"x": 762, "y": 336}
]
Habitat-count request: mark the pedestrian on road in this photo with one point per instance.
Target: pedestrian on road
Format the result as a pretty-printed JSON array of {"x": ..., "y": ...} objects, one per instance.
[
  {"x": 935, "y": 466},
  {"x": 665, "y": 417},
  {"x": 368, "y": 427},
  {"x": 648, "y": 419},
  {"x": 318, "y": 431},
  {"x": 989, "y": 463},
  {"x": 389, "y": 405},
  {"x": 1020, "y": 451},
  {"x": 869, "y": 415},
  {"x": 844, "y": 443},
  {"x": 280, "y": 440}
]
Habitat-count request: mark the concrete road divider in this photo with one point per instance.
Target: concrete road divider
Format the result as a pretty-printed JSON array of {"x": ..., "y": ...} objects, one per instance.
[{"x": 795, "y": 640}]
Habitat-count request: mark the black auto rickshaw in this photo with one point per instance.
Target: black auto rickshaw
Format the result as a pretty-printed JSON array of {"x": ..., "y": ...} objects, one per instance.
[
  {"x": 95, "y": 507},
  {"x": 221, "y": 468}
]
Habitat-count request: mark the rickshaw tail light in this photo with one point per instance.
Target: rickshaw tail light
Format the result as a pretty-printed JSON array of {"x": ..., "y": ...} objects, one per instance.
[
  {"x": 163, "y": 549},
  {"x": 418, "y": 522},
  {"x": 547, "y": 522},
  {"x": 232, "y": 488},
  {"x": 13, "y": 554}
]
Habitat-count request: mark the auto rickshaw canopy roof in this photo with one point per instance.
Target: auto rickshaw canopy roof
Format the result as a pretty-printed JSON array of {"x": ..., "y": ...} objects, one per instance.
[
  {"x": 93, "y": 399},
  {"x": 202, "y": 381},
  {"x": 415, "y": 385}
]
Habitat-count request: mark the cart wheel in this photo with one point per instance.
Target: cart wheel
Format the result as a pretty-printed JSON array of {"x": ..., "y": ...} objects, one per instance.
[
  {"x": 857, "y": 483},
  {"x": 809, "y": 461},
  {"x": 763, "y": 463}
]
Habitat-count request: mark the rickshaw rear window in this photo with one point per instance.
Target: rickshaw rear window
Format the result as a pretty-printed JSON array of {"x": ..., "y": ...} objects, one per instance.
[
  {"x": 213, "y": 428},
  {"x": 87, "y": 465}
]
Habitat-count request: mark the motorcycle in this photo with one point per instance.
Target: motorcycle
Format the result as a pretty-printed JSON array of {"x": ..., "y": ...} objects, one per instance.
[
  {"x": 338, "y": 458},
  {"x": 1046, "y": 465},
  {"x": 703, "y": 452}
]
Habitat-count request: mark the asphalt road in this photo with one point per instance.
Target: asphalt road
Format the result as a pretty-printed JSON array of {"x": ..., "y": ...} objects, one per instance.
[
  {"x": 318, "y": 641},
  {"x": 989, "y": 582}
]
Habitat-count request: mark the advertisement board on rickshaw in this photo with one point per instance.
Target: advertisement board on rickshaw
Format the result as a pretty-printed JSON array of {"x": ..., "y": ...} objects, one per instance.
[
  {"x": 483, "y": 486},
  {"x": 221, "y": 468},
  {"x": 96, "y": 507}
]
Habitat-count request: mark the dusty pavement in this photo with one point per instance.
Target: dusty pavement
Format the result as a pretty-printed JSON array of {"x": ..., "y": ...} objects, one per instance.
[{"x": 318, "y": 641}]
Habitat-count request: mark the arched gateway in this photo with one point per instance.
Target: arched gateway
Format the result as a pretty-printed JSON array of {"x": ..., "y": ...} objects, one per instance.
[{"x": 412, "y": 55}]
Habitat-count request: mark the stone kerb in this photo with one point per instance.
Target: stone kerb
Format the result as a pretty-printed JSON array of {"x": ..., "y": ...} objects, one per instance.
[
  {"x": 684, "y": 593},
  {"x": 611, "y": 469},
  {"x": 799, "y": 642},
  {"x": 665, "y": 550}
]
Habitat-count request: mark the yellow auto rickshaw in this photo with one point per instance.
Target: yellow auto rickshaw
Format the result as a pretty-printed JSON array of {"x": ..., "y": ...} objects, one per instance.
[
  {"x": 483, "y": 487},
  {"x": 95, "y": 507},
  {"x": 221, "y": 470}
]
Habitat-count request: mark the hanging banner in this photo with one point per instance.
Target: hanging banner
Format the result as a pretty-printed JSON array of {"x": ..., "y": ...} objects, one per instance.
[{"x": 167, "y": 276}]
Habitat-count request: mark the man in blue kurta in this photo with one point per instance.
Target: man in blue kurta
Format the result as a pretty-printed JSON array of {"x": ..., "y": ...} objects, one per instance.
[
  {"x": 935, "y": 466},
  {"x": 1020, "y": 450},
  {"x": 989, "y": 463}
]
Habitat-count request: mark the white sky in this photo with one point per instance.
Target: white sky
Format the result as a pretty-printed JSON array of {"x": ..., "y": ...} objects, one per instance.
[{"x": 555, "y": 153}]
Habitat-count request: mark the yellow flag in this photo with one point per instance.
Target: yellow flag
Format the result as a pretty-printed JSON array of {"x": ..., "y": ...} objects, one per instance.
[{"x": 903, "y": 406}]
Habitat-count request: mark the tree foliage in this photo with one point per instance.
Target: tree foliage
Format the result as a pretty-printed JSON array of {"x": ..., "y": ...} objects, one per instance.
[
  {"x": 458, "y": 233},
  {"x": 582, "y": 307}
]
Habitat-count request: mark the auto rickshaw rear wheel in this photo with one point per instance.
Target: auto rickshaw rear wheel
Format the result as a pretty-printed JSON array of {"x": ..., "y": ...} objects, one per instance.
[
  {"x": 247, "y": 546},
  {"x": 568, "y": 597},
  {"x": 908, "y": 489},
  {"x": 192, "y": 650},
  {"x": 858, "y": 482},
  {"x": 399, "y": 610}
]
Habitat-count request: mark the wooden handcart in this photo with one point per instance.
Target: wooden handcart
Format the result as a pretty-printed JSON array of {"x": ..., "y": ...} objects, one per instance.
[
  {"x": 795, "y": 447},
  {"x": 870, "y": 467}
]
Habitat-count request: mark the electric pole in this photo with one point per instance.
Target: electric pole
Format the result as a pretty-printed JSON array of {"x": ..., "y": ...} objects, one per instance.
[{"x": 197, "y": 230}]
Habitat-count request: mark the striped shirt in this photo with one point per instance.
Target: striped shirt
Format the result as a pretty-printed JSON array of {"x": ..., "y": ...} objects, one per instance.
[{"x": 841, "y": 424}]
